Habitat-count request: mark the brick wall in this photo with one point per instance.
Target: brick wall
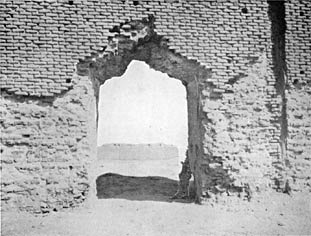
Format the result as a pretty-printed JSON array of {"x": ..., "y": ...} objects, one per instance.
[
  {"x": 243, "y": 123},
  {"x": 48, "y": 37},
  {"x": 298, "y": 61},
  {"x": 47, "y": 147}
]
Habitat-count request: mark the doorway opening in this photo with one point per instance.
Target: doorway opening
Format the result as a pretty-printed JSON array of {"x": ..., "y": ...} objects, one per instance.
[
  {"x": 142, "y": 134},
  {"x": 137, "y": 40}
]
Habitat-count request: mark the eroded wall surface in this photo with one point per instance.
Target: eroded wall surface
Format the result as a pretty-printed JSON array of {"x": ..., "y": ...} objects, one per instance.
[
  {"x": 47, "y": 148},
  {"x": 255, "y": 105},
  {"x": 298, "y": 62}
]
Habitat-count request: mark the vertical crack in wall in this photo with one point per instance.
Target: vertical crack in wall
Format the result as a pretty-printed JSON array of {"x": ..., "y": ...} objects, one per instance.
[{"x": 278, "y": 29}]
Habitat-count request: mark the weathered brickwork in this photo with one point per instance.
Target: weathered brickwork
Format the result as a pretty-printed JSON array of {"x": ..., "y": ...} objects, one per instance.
[
  {"x": 253, "y": 81},
  {"x": 241, "y": 123},
  {"x": 298, "y": 42},
  {"x": 46, "y": 149},
  {"x": 298, "y": 62},
  {"x": 48, "y": 37}
]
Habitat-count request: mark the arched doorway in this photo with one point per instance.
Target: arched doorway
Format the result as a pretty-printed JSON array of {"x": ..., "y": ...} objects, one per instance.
[
  {"x": 142, "y": 135},
  {"x": 139, "y": 41}
]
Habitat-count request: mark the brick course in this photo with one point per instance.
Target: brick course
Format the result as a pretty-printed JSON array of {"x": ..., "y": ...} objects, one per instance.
[{"x": 48, "y": 38}]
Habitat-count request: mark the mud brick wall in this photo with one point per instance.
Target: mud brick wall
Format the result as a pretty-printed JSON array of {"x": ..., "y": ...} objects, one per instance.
[
  {"x": 48, "y": 37},
  {"x": 46, "y": 147},
  {"x": 256, "y": 129},
  {"x": 298, "y": 62}
]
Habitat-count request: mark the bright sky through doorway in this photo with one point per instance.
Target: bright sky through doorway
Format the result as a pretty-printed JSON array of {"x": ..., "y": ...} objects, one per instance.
[{"x": 143, "y": 106}]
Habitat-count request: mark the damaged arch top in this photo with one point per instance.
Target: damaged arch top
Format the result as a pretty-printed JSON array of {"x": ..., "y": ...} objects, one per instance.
[{"x": 137, "y": 40}]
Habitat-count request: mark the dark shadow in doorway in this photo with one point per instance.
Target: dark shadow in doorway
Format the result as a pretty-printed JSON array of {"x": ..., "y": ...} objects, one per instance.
[{"x": 150, "y": 188}]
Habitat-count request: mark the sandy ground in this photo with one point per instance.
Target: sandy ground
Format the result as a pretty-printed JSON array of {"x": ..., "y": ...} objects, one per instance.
[
  {"x": 274, "y": 215},
  {"x": 141, "y": 207}
]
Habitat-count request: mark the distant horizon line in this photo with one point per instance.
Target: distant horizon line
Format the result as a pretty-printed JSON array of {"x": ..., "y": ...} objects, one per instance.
[{"x": 138, "y": 144}]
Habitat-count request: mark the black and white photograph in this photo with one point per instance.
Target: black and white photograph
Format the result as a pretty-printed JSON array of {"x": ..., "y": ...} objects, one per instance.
[{"x": 155, "y": 117}]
